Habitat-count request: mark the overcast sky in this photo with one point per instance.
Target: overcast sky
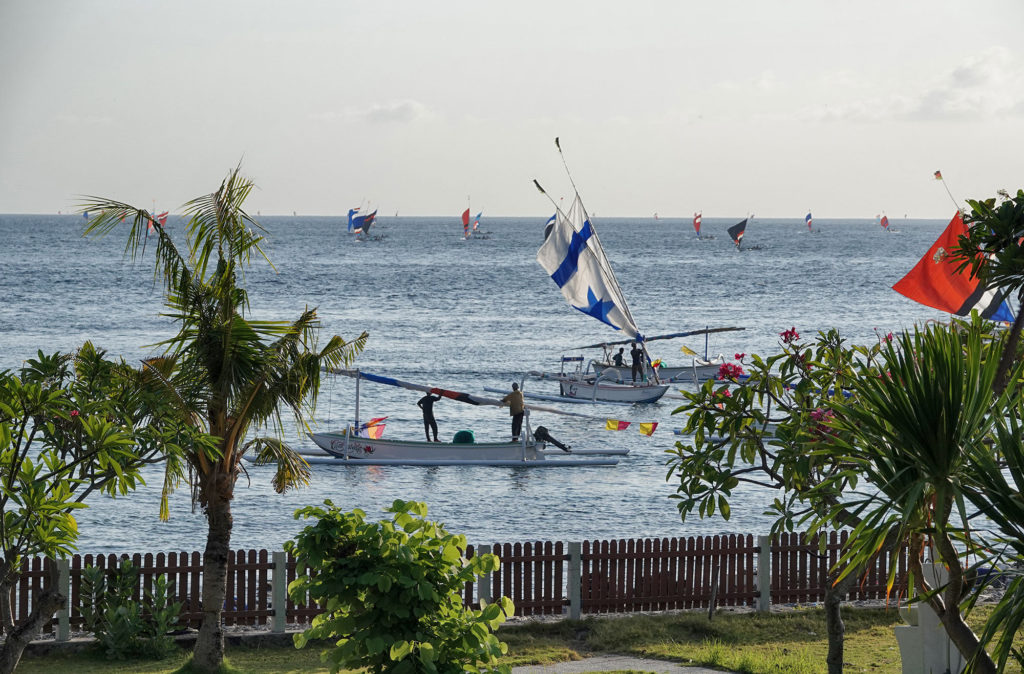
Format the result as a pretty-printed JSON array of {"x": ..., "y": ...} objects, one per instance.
[{"x": 846, "y": 108}]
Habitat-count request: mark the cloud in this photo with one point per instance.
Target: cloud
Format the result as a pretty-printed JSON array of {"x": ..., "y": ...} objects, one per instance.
[
  {"x": 984, "y": 86},
  {"x": 398, "y": 112}
]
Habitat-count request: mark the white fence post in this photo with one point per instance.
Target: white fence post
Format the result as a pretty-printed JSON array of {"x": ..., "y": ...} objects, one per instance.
[
  {"x": 575, "y": 579},
  {"x": 279, "y": 591},
  {"x": 483, "y": 583},
  {"x": 64, "y": 614},
  {"x": 764, "y": 574}
]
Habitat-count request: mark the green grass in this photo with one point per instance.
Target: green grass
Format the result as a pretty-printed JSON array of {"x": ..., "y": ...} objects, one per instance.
[{"x": 749, "y": 643}]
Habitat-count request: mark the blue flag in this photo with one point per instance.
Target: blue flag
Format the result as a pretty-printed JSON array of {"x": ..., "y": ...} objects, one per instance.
[{"x": 573, "y": 256}]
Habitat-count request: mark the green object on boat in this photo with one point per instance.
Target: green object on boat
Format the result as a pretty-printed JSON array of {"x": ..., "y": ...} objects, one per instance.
[{"x": 464, "y": 438}]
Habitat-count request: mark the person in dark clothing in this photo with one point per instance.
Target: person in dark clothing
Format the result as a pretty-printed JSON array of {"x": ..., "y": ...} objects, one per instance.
[
  {"x": 638, "y": 361},
  {"x": 426, "y": 404},
  {"x": 617, "y": 358},
  {"x": 542, "y": 434}
]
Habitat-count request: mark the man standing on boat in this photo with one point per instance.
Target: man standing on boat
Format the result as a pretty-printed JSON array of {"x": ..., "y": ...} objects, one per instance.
[
  {"x": 638, "y": 361},
  {"x": 426, "y": 404},
  {"x": 516, "y": 407}
]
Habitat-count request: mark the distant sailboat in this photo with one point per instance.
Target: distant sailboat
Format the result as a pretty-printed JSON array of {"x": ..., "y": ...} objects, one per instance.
[
  {"x": 884, "y": 222},
  {"x": 465, "y": 224},
  {"x": 810, "y": 221},
  {"x": 361, "y": 225},
  {"x": 736, "y": 232},
  {"x": 696, "y": 223}
]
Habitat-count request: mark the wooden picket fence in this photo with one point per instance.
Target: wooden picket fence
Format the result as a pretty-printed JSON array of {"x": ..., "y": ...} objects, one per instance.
[{"x": 541, "y": 578}]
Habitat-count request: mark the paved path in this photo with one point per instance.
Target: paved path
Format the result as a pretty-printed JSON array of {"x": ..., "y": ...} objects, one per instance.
[{"x": 610, "y": 663}]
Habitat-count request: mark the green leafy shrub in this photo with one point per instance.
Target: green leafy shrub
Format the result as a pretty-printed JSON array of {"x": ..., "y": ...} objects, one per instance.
[
  {"x": 392, "y": 593},
  {"x": 125, "y": 627}
]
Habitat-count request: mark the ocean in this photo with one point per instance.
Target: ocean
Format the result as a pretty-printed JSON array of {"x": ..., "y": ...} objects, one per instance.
[{"x": 467, "y": 315}]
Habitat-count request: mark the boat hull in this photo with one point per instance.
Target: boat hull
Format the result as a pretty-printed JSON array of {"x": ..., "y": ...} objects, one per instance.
[
  {"x": 380, "y": 451},
  {"x": 611, "y": 392},
  {"x": 339, "y": 444},
  {"x": 697, "y": 373}
]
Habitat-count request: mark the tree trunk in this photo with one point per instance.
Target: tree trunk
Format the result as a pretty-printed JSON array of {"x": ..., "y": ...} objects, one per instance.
[
  {"x": 834, "y": 625},
  {"x": 45, "y": 605},
  {"x": 947, "y": 606},
  {"x": 209, "y": 651}
]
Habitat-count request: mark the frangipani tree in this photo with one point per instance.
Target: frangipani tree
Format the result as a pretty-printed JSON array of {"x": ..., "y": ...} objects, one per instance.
[
  {"x": 227, "y": 373},
  {"x": 71, "y": 425},
  {"x": 765, "y": 434}
]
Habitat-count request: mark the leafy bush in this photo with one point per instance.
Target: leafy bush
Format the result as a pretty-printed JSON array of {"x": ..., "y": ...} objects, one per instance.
[
  {"x": 123, "y": 626},
  {"x": 392, "y": 593}
]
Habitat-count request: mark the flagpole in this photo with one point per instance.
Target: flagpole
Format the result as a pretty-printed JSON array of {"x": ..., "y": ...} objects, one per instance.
[{"x": 938, "y": 176}]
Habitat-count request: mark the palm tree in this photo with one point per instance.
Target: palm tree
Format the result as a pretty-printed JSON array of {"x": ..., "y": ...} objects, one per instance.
[{"x": 227, "y": 373}]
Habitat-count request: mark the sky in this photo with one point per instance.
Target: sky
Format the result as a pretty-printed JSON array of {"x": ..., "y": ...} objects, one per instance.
[{"x": 729, "y": 107}]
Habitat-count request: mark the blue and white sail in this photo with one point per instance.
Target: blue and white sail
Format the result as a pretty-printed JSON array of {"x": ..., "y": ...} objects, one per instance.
[{"x": 573, "y": 256}]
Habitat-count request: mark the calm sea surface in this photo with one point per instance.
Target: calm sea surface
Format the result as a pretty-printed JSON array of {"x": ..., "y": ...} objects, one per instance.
[{"x": 467, "y": 315}]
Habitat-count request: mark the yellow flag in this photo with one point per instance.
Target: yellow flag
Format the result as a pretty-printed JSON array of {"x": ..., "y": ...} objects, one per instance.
[
  {"x": 616, "y": 425},
  {"x": 648, "y": 429},
  {"x": 688, "y": 351}
]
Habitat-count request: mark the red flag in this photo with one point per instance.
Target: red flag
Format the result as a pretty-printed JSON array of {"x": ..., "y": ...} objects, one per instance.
[
  {"x": 938, "y": 175},
  {"x": 465, "y": 218},
  {"x": 616, "y": 425},
  {"x": 935, "y": 282}
]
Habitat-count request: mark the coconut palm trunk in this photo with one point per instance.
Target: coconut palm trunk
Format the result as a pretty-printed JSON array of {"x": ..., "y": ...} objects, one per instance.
[{"x": 209, "y": 650}]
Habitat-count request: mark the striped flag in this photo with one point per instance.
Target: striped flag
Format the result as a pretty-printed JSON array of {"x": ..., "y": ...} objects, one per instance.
[
  {"x": 648, "y": 429},
  {"x": 374, "y": 428},
  {"x": 616, "y": 425},
  {"x": 938, "y": 175},
  {"x": 808, "y": 219}
]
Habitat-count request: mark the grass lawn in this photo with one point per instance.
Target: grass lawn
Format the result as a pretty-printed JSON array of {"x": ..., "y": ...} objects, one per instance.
[{"x": 752, "y": 643}]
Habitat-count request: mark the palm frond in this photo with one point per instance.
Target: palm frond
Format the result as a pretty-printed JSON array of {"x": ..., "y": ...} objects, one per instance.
[{"x": 292, "y": 470}]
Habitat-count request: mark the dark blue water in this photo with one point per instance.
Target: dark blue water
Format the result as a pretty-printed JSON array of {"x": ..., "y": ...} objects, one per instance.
[{"x": 466, "y": 315}]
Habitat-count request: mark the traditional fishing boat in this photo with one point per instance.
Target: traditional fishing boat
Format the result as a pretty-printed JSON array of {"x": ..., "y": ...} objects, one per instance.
[
  {"x": 536, "y": 446},
  {"x": 574, "y": 258},
  {"x": 698, "y": 218},
  {"x": 698, "y": 371}
]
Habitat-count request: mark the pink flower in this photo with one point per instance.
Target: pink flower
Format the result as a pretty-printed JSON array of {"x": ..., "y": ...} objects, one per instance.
[
  {"x": 74, "y": 413},
  {"x": 789, "y": 336},
  {"x": 729, "y": 371},
  {"x": 740, "y": 356},
  {"x": 888, "y": 337}
]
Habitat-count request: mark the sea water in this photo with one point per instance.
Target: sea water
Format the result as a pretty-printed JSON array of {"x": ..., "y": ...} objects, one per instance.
[{"x": 467, "y": 315}]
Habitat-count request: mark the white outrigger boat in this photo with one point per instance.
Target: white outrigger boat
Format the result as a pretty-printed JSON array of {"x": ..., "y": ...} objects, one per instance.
[
  {"x": 574, "y": 258},
  {"x": 532, "y": 450},
  {"x": 697, "y": 372},
  {"x": 586, "y": 384}
]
